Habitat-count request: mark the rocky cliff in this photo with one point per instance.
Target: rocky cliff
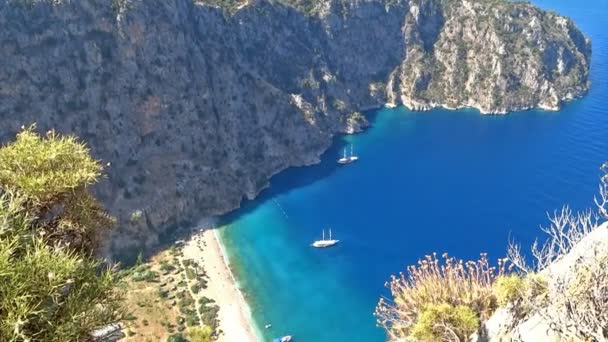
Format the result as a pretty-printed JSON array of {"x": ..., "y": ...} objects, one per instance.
[
  {"x": 197, "y": 104},
  {"x": 491, "y": 55},
  {"x": 565, "y": 275}
]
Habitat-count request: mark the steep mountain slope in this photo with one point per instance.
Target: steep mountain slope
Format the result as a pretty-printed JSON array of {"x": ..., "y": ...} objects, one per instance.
[{"x": 196, "y": 106}]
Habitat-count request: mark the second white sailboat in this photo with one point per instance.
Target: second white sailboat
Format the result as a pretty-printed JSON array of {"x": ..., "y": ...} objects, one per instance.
[
  {"x": 348, "y": 159},
  {"x": 325, "y": 243}
]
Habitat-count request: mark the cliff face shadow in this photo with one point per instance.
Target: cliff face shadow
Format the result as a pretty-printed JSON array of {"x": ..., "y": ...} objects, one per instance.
[
  {"x": 284, "y": 182},
  {"x": 297, "y": 177}
]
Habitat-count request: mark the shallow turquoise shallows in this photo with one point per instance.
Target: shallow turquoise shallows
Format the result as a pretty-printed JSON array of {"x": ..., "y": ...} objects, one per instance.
[{"x": 445, "y": 181}]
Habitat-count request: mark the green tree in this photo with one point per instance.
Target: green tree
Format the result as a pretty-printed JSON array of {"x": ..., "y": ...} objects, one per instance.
[{"x": 52, "y": 288}]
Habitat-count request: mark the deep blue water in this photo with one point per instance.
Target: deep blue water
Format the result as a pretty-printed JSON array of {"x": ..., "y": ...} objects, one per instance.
[{"x": 445, "y": 181}]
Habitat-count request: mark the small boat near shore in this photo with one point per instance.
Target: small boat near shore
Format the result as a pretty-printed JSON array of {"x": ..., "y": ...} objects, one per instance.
[
  {"x": 282, "y": 339},
  {"x": 323, "y": 242},
  {"x": 348, "y": 159}
]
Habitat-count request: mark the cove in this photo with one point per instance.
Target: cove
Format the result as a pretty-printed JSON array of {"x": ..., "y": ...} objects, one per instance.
[{"x": 439, "y": 181}]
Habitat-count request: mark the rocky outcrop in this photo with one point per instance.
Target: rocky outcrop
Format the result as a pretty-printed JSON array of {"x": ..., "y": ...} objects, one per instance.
[
  {"x": 195, "y": 107},
  {"x": 491, "y": 55},
  {"x": 503, "y": 324}
]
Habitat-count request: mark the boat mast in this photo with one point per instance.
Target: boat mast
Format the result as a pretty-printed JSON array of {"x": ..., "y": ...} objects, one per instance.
[
  {"x": 323, "y": 234},
  {"x": 330, "y": 233},
  {"x": 351, "y": 150}
]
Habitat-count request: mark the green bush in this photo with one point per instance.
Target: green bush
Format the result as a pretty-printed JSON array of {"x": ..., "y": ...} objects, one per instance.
[
  {"x": 186, "y": 311},
  {"x": 165, "y": 266},
  {"x": 536, "y": 287},
  {"x": 190, "y": 273},
  {"x": 148, "y": 276},
  {"x": 209, "y": 315},
  {"x": 186, "y": 300},
  {"x": 204, "y": 300},
  {"x": 199, "y": 334},
  {"x": 508, "y": 289},
  {"x": 443, "y": 322},
  {"x": 192, "y": 320},
  {"x": 177, "y": 338}
]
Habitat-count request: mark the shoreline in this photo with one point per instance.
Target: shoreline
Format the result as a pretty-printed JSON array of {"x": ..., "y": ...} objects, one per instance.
[
  {"x": 245, "y": 308},
  {"x": 234, "y": 316}
]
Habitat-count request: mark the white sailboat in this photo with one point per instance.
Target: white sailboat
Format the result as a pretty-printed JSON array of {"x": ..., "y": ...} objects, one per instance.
[
  {"x": 348, "y": 159},
  {"x": 353, "y": 157},
  {"x": 325, "y": 243},
  {"x": 344, "y": 159}
]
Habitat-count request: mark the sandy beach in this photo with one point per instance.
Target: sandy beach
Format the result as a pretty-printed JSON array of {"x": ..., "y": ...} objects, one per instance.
[{"x": 234, "y": 314}]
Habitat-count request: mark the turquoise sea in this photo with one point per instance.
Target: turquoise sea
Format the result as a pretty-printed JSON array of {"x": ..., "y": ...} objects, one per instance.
[{"x": 445, "y": 181}]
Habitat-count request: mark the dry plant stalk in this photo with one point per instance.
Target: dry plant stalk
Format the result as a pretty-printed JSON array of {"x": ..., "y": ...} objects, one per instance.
[
  {"x": 602, "y": 202},
  {"x": 579, "y": 305},
  {"x": 565, "y": 231},
  {"x": 586, "y": 299},
  {"x": 452, "y": 282}
]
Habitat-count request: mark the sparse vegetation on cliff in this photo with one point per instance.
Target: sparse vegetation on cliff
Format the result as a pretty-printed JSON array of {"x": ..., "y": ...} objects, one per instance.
[
  {"x": 566, "y": 288},
  {"x": 52, "y": 288},
  {"x": 567, "y": 285},
  {"x": 439, "y": 300}
]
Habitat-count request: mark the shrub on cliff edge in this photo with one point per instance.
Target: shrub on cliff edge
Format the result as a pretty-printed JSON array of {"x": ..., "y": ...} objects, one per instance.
[
  {"x": 572, "y": 301},
  {"x": 439, "y": 292},
  {"x": 438, "y": 322},
  {"x": 51, "y": 286},
  {"x": 508, "y": 288},
  {"x": 52, "y": 174}
]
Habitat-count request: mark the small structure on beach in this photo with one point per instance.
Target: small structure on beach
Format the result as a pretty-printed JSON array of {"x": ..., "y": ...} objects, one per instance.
[{"x": 108, "y": 333}]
